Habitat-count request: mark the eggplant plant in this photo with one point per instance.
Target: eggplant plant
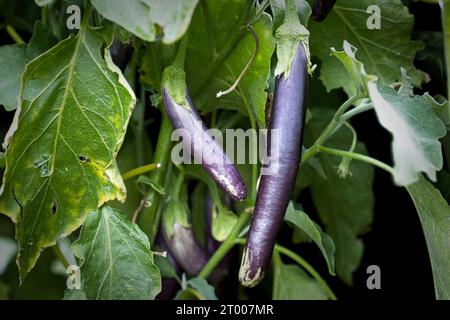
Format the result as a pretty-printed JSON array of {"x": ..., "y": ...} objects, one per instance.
[{"x": 213, "y": 149}]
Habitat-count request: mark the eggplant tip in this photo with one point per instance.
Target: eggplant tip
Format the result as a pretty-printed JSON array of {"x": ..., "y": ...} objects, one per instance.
[{"x": 248, "y": 276}]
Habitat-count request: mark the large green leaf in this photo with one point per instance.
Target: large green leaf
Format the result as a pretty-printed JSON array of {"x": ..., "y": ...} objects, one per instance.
[
  {"x": 116, "y": 259},
  {"x": 434, "y": 213},
  {"x": 219, "y": 49},
  {"x": 174, "y": 17},
  {"x": 133, "y": 15},
  {"x": 141, "y": 17},
  {"x": 295, "y": 284},
  {"x": 60, "y": 164},
  {"x": 302, "y": 221},
  {"x": 382, "y": 51},
  {"x": 345, "y": 205},
  {"x": 415, "y": 122},
  {"x": 13, "y": 59}
]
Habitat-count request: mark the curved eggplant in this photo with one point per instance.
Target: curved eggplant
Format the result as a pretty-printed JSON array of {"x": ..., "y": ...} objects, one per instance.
[
  {"x": 321, "y": 9},
  {"x": 204, "y": 149},
  {"x": 288, "y": 118}
]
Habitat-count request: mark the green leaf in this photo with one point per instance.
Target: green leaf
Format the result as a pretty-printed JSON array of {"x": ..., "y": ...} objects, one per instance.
[
  {"x": 116, "y": 259},
  {"x": 434, "y": 213},
  {"x": 219, "y": 49},
  {"x": 197, "y": 289},
  {"x": 355, "y": 70},
  {"x": 416, "y": 130},
  {"x": 314, "y": 231},
  {"x": 382, "y": 51},
  {"x": 142, "y": 17},
  {"x": 440, "y": 106},
  {"x": 345, "y": 206},
  {"x": 132, "y": 15},
  {"x": 414, "y": 122},
  {"x": 78, "y": 106},
  {"x": 13, "y": 59},
  {"x": 74, "y": 294},
  {"x": 295, "y": 284},
  {"x": 173, "y": 17}
]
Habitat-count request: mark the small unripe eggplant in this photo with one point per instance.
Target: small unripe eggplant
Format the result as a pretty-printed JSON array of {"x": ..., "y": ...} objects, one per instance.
[
  {"x": 288, "y": 118},
  {"x": 180, "y": 238}
]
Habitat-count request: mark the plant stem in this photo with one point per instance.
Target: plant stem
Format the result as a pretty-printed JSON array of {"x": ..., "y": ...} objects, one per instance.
[
  {"x": 360, "y": 109},
  {"x": 357, "y": 156},
  {"x": 14, "y": 35},
  {"x": 225, "y": 247},
  {"x": 44, "y": 15},
  {"x": 331, "y": 128},
  {"x": 147, "y": 218},
  {"x": 277, "y": 264},
  {"x": 60, "y": 256},
  {"x": 140, "y": 170},
  {"x": 140, "y": 129},
  {"x": 445, "y": 11}
]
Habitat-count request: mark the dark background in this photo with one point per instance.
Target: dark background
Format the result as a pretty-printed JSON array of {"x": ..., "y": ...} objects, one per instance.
[{"x": 396, "y": 242}]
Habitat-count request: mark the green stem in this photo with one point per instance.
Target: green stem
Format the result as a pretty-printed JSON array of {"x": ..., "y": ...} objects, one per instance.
[
  {"x": 357, "y": 156},
  {"x": 277, "y": 265},
  {"x": 147, "y": 217},
  {"x": 44, "y": 15},
  {"x": 226, "y": 246},
  {"x": 140, "y": 129},
  {"x": 14, "y": 35},
  {"x": 140, "y": 170},
  {"x": 60, "y": 256},
  {"x": 360, "y": 109},
  {"x": 330, "y": 129},
  {"x": 445, "y": 10},
  {"x": 178, "y": 185}
]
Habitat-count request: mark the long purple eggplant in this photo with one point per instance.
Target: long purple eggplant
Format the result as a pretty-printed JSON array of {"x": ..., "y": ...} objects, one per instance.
[
  {"x": 204, "y": 149},
  {"x": 321, "y": 9},
  {"x": 288, "y": 118}
]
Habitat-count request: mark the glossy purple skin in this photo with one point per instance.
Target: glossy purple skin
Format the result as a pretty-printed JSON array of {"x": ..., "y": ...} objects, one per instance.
[
  {"x": 321, "y": 9},
  {"x": 211, "y": 155},
  {"x": 288, "y": 116}
]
